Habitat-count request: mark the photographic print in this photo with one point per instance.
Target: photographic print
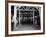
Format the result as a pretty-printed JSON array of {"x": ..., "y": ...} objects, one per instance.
[{"x": 25, "y": 18}]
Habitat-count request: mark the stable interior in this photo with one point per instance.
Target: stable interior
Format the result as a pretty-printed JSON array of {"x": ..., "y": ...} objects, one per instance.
[{"x": 25, "y": 15}]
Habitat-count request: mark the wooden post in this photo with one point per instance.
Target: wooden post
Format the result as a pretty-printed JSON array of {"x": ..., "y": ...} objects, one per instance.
[
  {"x": 15, "y": 14},
  {"x": 19, "y": 18}
]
